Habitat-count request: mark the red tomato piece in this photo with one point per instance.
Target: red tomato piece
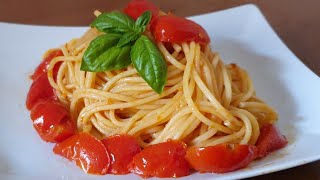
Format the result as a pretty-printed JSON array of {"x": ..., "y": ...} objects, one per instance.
[
  {"x": 43, "y": 66},
  {"x": 270, "y": 139},
  {"x": 51, "y": 121},
  {"x": 40, "y": 89},
  {"x": 121, "y": 148},
  {"x": 61, "y": 131},
  {"x": 170, "y": 28},
  {"x": 161, "y": 160},
  {"x": 136, "y": 7},
  {"x": 88, "y": 152},
  {"x": 221, "y": 158},
  {"x": 48, "y": 113}
]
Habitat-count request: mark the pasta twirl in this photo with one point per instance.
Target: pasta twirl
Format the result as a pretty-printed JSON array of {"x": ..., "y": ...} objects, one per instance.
[{"x": 204, "y": 102}]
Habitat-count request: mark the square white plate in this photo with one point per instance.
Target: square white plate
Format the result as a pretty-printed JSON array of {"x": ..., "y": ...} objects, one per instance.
[{"x": 241, "y": 35}]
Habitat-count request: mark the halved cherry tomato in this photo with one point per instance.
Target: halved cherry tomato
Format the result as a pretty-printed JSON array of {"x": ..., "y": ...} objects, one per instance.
[
  {"x": 161, "y": 160},
  {"x": 43, "y": 66},
  {"x": 48, "y": 113},
  {"x": 270, "y": 139},
  {"x": 170, "y": 28},
  {"x": 51, "y": 121},
  {"x": 121, "y": 148},
  {"x": 136, "y": 7},
  {"x": 40, "y": 89},
  {"x": 88, "y": 152},
  {"x": 221, "y": 158}
]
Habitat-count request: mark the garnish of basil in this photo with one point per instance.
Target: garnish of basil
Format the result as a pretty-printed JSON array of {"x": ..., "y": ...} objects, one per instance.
[
  {"x": 148, "y": 61},
  {"x": 143, "y": 21},
  {"x": 127, "y": 38},
  {"x": 114, "y": 22},
  {"x": 124, "y": 44},
  {"x": 96, "y": 48}
]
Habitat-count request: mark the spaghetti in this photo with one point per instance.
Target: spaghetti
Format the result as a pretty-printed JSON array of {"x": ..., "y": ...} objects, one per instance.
[{"x": 204, "y": 102}]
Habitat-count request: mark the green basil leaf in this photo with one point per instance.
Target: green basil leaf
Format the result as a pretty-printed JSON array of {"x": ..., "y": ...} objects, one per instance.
[
  {"x": 96, "y": 47},
  {"x": 127, "y": 38},
  {"x": 149, "y": 62},
  {"x": 142, "y": 21},
  {"x": 114, "y": 22},
  {"x": 113, "y": 58}
]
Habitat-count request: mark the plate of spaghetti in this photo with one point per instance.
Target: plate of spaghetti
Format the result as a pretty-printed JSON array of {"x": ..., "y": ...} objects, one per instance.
[{"x": 145, "y": 93}]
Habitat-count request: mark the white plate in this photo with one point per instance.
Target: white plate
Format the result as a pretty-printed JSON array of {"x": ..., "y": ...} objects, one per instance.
[{"x": 240, "y": 35}]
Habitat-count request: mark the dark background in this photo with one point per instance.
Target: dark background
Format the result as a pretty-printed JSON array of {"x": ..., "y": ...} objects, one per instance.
[{"x": 297, "y": 22}]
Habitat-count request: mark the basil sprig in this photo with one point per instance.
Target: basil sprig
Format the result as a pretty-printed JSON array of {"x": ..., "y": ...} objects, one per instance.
[
  {"x": 114, "y": 22},
  {"x": 124, "y": 44},
  {"x": 148, "y": 61}
]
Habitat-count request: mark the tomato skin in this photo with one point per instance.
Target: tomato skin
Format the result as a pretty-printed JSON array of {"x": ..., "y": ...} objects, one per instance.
[
  {"x": 136, "y": 7},
  {"x": 270, "y": 139},
  {"x": 220, "y": 158},
  {"x": 43, "y": 66},
  {"x": 161, "y": 160},
  {"x": 170, "y": 28},
  {"x": 121, "y": 148},
  {"x": 88, "y": 152},
  {"x": 40, "y": 89},
  {"x": 48, "y": 113},
  {"x": 51, "y": 121},
  {"x": 61, "y": 131}
]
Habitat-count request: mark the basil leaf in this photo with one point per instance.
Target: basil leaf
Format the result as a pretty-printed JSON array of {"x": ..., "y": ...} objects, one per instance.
[
  {"x": 149, "y": 63},
  {"x": 96, "y": 47},
  {"x": 127, "y": 38},
  {"x": 113, "y": 58},
  {"x": 114, "y": 22},
  {"x": 142, "y": 21}
]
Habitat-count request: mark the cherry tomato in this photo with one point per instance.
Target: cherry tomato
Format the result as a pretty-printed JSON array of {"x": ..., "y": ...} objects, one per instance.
[
  {"x": 270, "y": 139},
  {"x": 40, "y": 89},
  {"x": 136, "y": 7},
  {"x": 48, "y": 113},
  {"x": 161, "y": 160},
  {"x": 88, "y": 152},
  {"x": 170, "y": 28},
  {"x": 43, "y": 66},
  {"x": 51, "y": 121},
  {"x": 121, "y": 148},
  {"x": 221, "y": 158}
]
